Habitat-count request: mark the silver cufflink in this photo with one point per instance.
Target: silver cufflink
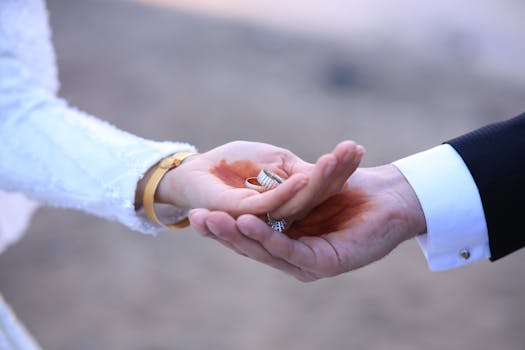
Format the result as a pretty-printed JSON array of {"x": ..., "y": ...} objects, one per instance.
[{"x": 464, "y": 253}]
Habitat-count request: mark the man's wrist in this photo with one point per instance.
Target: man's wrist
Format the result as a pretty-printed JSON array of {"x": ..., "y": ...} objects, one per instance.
[
  {"x": 451, "y": 204},
  {"x": 408, "y": 208}
]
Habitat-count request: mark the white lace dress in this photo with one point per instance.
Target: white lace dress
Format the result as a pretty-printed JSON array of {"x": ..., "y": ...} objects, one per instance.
[{"x": 51, "y": 152}]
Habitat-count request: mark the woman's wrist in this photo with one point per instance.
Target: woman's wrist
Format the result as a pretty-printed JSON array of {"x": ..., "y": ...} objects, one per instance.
[{"x": 170, "y": 189}]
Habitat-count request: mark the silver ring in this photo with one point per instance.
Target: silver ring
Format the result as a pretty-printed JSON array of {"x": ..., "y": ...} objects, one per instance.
[
  {"x": 276, "y": 225},
  {"x": 265, "y": 181}
]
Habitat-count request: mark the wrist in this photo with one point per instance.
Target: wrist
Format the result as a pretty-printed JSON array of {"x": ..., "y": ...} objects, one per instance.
[
  {"x": 408, "y": 207},
  {"x": 173, "y": 187},
  {"x": 151, "y": 194},
  {"x": 166, "y": 192}
]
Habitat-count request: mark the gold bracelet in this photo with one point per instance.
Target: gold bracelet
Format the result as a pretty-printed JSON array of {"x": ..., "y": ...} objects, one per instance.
[{"x": 148, "y": 198}]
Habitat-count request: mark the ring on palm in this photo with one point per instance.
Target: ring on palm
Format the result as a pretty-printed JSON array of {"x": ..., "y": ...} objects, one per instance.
[{"x": 265, "y": 181}]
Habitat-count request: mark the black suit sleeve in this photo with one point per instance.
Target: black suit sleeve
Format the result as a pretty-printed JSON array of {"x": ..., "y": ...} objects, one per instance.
[{"x": 495, "y": 156}]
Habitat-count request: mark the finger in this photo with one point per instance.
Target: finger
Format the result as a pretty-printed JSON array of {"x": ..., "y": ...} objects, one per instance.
[
  {"x": 278, "y": 244},
  {"x": 293, "y": 165},
  {"x": 225, "y": 229},
  {"x": 349, "y": 155},
  {"x": 198, "y": 222},
  {"x": 268, "y": 201},
  {"x": 197, "y": 219},
  {"x": 305, "y": 198},
  {"x": 327, "y": 177}
]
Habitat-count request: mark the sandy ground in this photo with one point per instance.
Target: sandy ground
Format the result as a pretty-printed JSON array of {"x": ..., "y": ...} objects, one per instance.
[{"x": 82, "y": 283}]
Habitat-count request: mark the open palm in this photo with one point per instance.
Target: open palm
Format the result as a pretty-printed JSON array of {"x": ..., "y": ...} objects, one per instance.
[
  {"x": 215, "y": 179},
  {"x": 364, "y": 222}
]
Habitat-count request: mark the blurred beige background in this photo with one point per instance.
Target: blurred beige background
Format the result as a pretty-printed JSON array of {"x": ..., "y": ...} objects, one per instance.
[{"x": 397, "y": 78}]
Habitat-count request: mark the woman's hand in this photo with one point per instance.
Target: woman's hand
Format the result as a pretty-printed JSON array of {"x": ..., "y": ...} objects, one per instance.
[{"x": 215, "y": 179}]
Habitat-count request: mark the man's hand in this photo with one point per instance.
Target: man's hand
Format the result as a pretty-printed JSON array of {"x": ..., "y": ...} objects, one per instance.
[{"x": 375, "y": 211}]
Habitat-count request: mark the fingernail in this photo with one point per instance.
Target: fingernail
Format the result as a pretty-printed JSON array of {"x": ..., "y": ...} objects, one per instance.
[
  {"x": 329, "y": 168},
  {"x": 349, "y": 156},
  {"x": 214, "y": 229}
]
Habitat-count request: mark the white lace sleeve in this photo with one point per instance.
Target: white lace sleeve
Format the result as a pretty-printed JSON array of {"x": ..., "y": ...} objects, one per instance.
[
  {"x": 63, "y": 157},
  {"x": 66, "y": 158},
  {"x": 52, "y": 152}
]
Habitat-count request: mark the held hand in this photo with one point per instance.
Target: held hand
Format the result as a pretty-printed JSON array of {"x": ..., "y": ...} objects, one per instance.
[
  {"x": 215, "y": 179},
  {"x": 375, "y": 211}
]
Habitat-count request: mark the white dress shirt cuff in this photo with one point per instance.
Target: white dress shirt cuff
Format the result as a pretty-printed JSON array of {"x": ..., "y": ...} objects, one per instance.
[{"x": 456, "y": 227}]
